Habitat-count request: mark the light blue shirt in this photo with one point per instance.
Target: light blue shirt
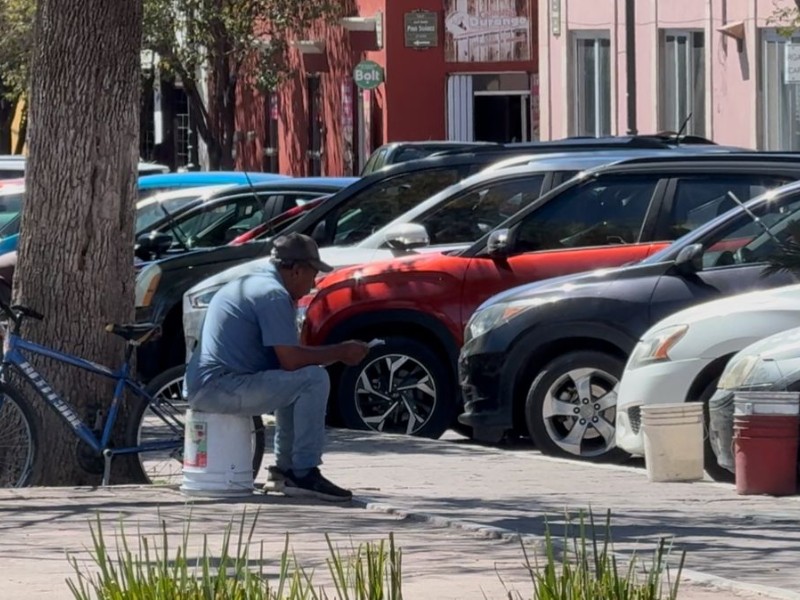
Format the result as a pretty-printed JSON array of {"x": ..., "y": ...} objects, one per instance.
[{"x": 245, "y": 320}]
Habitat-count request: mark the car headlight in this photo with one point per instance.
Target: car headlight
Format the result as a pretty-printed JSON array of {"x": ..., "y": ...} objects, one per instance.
[
  {"x": 147, "y": 281},
  {"x": 489, "y": 318},
  {"x": 201, "y": 299},
  {"x": 656, "y": 347},
  {"x": 749, "y": 372}
]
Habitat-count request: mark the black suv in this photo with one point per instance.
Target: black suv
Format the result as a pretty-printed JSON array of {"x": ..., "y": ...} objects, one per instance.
[{"x": 543, "y": 359}]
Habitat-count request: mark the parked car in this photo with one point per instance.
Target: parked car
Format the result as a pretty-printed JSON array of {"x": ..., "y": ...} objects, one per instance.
[
  {"x": 151, "y": 213},
  {"x": 606, "y": 217},
  {"x": 768, "y": 365},
  {"x": 450, "y": 220},
  {"x": 153, "y": 184},
  {"x": 681, "y": 358},
  {"x": 543, "y": 359},
  {"x": 399, "y": 152},
  {"x": 217, "y": 218}
]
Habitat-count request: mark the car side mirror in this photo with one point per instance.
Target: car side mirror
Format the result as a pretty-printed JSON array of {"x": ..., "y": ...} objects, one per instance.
[
  {"x": 152, "y": 244},
  {"x": 690, "y": 259},
  {"x": 407, "y": 236},
  {"x": 498, "y": 246}
]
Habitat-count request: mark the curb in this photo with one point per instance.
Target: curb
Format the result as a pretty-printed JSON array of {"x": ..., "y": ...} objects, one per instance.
[{"x": 705, "y": 580}]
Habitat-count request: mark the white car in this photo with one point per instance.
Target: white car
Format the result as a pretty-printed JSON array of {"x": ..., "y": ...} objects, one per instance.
[{"x": 681, "y": 358}]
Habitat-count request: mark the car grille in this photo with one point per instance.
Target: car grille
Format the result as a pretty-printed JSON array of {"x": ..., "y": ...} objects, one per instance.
[{"x": 635, "y": 417}]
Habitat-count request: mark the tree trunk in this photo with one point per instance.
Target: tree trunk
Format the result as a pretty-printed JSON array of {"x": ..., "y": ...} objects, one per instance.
[{"x": 76, "y": 248}]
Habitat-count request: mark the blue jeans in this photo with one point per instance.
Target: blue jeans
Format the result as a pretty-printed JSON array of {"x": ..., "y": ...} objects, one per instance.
[{"x": 298, "y": 398}]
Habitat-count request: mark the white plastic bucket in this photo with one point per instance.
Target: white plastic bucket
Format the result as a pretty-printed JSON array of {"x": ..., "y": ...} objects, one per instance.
[
  {"x": 766, "y": 403},
  {"x": 673, "y": 441},
  {"x": 217, "y": 456}
]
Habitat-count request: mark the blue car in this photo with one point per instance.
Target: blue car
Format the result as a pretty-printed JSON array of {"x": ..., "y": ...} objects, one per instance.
[
  {"x": 152, "y": 184},
  {"x": 149, "y": 185}
]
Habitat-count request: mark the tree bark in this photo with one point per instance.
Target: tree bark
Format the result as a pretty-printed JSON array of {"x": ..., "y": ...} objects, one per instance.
[{"x": 76, "y": 247}]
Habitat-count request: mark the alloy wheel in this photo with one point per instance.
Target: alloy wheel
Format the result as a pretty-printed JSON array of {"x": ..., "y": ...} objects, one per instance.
[
  {"x": 395, "y": 393},
  {"x": 579, "y": 412}
]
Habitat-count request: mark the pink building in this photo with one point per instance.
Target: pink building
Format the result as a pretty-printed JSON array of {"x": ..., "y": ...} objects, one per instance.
[{"x": 721, "y": 61}]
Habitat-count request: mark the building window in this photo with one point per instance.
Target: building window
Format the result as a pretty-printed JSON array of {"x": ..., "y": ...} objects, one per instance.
[
  {"x": 780, "y": 104},
  {"x": 683, "y": 82},
  {"x": 592, "y": 84}
]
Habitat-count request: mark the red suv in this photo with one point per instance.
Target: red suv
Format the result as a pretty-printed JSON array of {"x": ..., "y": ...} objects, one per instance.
[{"x": 419, "y": 305}]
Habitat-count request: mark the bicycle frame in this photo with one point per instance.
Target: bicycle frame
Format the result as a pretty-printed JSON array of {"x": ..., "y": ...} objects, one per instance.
[{"x": 14, "y": 357}]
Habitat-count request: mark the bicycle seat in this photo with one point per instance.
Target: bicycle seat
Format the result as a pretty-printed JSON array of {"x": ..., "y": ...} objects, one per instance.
[{"x": 135, "y": 333}]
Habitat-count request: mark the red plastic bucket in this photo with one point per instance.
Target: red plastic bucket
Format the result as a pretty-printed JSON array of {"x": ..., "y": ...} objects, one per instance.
[{"x": 765, "y": 452}]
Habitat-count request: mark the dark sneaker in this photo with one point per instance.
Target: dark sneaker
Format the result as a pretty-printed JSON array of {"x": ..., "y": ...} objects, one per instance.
[{"x": 314, "y": 485}]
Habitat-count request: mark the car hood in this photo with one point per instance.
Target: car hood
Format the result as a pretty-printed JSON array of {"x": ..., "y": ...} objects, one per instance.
[
  {"x": 590, "y": 283},
  {"x": 416, "y": 263},
  {"x": 785, "y": 299},
  {"x": 337, "y": 257}
]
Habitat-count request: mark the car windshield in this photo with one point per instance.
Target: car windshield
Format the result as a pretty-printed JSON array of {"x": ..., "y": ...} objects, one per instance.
[{"x": 149, "y": 213}]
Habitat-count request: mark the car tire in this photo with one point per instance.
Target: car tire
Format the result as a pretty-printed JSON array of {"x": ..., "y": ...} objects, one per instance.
[
  {"x": 710, "y": 464},
  {"x": 371, "y": 395},
  {"x": 550, "y": 424}
]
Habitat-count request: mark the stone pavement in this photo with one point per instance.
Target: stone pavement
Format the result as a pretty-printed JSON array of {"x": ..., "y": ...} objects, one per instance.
[{"x": 456, "y": 509}]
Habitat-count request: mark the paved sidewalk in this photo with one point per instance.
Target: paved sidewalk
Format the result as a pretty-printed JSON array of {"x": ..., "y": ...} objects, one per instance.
[{"x": 453, "y": 508}]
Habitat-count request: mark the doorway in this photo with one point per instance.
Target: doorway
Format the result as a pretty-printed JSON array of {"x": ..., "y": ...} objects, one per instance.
[{"x": 502, "y": 118}]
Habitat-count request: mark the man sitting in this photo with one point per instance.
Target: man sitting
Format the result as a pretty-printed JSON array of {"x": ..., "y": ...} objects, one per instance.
[{"x": 249, "y": 361}]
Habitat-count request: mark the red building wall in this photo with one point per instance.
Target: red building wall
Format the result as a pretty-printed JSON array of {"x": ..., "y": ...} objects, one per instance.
[{"x": 410, "y": 105}]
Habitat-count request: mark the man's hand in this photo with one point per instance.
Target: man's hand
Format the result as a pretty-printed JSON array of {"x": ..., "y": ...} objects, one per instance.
[{"x": 353, "y": 352}]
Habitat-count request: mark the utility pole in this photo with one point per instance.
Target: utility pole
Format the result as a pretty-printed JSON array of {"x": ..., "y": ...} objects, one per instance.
[{"x": 630, "y": 63}]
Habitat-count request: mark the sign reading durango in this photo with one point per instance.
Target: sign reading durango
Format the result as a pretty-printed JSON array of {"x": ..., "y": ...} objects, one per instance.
[{"x": 487, "y": 30}]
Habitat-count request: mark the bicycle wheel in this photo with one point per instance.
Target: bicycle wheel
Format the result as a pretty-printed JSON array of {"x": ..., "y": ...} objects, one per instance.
[
  {"x": 19, "y": 438},
  {"x": 165, "y": 420}
]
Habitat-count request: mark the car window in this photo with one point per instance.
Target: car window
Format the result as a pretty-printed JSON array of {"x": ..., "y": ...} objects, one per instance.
[
  {"x": 699, "y": 199},
  {"x": 217, "y": 224},
  {"x": 375, "y": 161},
  {"x": 747, "y": 242},
  {"x": 469, "y": 216},
  {"x": 377, "y": 205},
  {"x": 608, "y": 210}
]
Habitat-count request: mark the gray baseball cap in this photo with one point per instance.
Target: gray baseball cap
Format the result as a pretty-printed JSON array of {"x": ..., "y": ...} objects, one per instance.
[{"x": 296, "y": 247}]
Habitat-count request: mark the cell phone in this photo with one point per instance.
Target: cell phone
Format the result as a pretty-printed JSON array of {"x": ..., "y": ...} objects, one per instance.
[{"x": 376, "y": 342}]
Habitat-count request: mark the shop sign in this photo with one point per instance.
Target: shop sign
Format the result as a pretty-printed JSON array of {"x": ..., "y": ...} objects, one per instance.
[
  {"x": 487, "y": 31},
  {"x": 368, "y": 75},
  {"x": 422, "y": 29},
  {"x": 791, "y": 71}
]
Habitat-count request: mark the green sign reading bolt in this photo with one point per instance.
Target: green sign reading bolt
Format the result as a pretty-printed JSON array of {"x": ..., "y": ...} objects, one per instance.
[{"x": 368, "y": 75}]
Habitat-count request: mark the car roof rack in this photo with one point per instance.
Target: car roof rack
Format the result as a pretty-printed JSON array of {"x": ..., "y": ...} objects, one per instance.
[
  {"x": 579, "y": 143},
  {"x": 736, "y": 156}
]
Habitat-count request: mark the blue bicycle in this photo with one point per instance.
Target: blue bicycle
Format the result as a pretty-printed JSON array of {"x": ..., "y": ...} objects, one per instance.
[{"x": 154, "y": 432}]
